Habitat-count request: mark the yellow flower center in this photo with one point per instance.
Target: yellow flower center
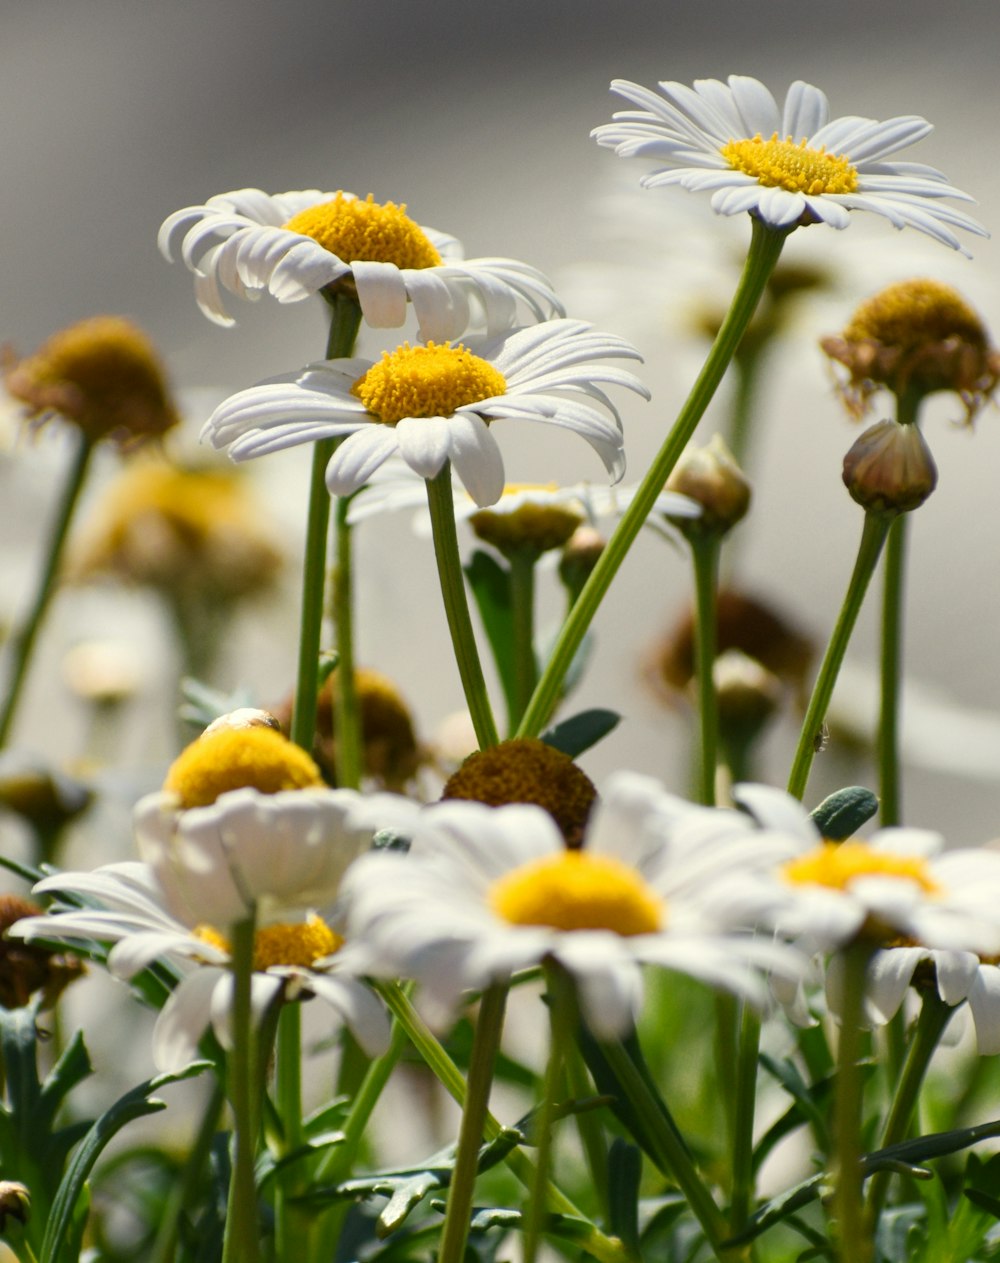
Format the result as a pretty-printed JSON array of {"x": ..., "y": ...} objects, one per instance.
[
  {"x": 356, "y": 230},
  {"x": 426, "y": 381},
  {"x": 783, "y": 164},
  {"x": 236, "y": 758},
  {"x": 837, "y": 864},
  {"x": 916, "y": 313},
  {"x": 577, "y": 891},
  {"x": 538, "y": 525},
  {"x": 299, "y": 943}
]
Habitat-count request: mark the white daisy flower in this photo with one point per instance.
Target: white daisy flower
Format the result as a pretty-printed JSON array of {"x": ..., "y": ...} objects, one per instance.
[
  {"x": 244, "y": 824},
  {"x": 487, "y": 891},
  {"x": 901, "y": 881},
  {"x": 431, "y": 404},
  {"x": 786, "y": 166},
  {"x": 302, "y": 243},
  {"x": 293, "y": 959},
  {"x": 957, "y": 976}
]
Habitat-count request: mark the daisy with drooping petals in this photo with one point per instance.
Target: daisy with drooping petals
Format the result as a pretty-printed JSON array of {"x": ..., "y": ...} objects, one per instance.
[
  {"x": 487, "y": 891},
  {"x": 431, "y": 404},
  {"x": 900, "y": 881},
  {"x": 302, "y": 243},
  {"x": 787, "y": 166},
  {"x": 292, "y": 959}
]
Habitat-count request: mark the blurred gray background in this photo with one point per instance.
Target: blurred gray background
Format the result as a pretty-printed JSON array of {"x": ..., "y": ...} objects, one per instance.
[{"x": 478, "y": 117}]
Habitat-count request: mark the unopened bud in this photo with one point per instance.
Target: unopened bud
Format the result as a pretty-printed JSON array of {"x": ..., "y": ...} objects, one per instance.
[
  {"x": 581, "y": 554},
  {"x": 711, "y": 477},
  {"x": 890, "y": 469},
  {"x": 15, "y": 1202}
]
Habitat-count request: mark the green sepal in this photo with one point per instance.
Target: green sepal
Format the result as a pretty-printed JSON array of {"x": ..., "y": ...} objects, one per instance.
[
  {"x": 844, "y": 812},
  {"x": 580, "y": 732}
]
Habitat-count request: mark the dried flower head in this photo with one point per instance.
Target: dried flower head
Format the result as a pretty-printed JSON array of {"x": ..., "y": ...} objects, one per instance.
[
  {"x": 26, "y": 969},
  {"x": 179, "y": 531},
  {"x": 525, "y": 770},
  {"x": 103, "y": 375},
  {"x": 916, "y": 338}
]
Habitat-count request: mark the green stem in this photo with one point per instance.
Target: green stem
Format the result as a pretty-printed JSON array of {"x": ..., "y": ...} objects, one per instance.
[
  {"x": 349, "y": 745},
  {"x": 23, "y": 641},
  {"x": 486, "y": 1042},
  {"x": 891, "y": 673},
  {"x": 596, "y": 1243},
  {"x": 344, "y": 323},
  {"x": 291, "y": 1228},
  {"x": 854, "y": 1244},
  {"x": 456, "y": 605},
  {"x": 872, "y": 538},
  {"x": 191, "y": 1183},
  {"x": 241, "y": 1243},
  {"x": 934, "y": 1017},
  {"x": 765, "y": 249},
  {"x": 522, "y": 599},
  {"x": 748, "y": 1051},
  {"x": 705, "y": 555},
  {"x": 668, "y": 1150}
]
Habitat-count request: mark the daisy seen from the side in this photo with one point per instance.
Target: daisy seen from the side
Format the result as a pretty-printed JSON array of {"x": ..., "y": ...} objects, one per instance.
[
  {"x": 293, "y": 959},
  {"x": 899, "y": 882},
  {"x": 429, "y": 404},
  {"x": 789, "y": 165},
  {"x": 485, "y": 892},
  {"x": 301, "y": 243}
]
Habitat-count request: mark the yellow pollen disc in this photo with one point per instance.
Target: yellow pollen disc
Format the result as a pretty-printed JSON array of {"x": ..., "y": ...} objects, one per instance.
[
  {"x": 356, "y": 231},
  {"x": 426, "y": 381},
  {"x": 837, "y": 864},
  {"x": 577, "y": 891},
  {"x": 293, "y": 943},
  {"x": 783, "y": 164},
  {"x": 236, "y": 758}
]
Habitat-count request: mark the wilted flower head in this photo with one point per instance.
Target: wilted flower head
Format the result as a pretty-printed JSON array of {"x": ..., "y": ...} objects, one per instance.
[
  {"x": 916, "y": 338},
  {"x": 179, "y": 530},
  {"x": 103, "y": 375},
  {"x": 26, "y": 969},
  {"x": 526, "y": 770}
]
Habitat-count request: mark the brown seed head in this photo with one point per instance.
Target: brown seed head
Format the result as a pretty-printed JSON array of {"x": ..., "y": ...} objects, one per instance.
[{"x": 25, "y": 968}]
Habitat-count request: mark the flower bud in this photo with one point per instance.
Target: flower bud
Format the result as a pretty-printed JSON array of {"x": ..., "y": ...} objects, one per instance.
[
  {"x": 15, "y": 1202},
  {"x": 710, "y": 476},
  {"x": 579, "y": 557},
  {"x": 890, "y": 469}
]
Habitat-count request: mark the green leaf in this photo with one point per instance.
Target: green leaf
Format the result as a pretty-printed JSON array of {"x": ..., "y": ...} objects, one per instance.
[
  {"x": 844, "y": 812},
  {"x": 579, "y": 733},
  {"x": 808, "y": 1100},
  {"x": 780, "y": 1207},
  {"x": 58, "y": 1240},
  {"x": 490, "y": 584},
  {"x": 624, "y": 1174}
]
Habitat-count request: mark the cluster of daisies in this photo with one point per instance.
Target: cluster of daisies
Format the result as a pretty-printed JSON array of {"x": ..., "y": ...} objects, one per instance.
[
  {"x": 519, "y": 358},
  {"x": 471, "y": 894}
]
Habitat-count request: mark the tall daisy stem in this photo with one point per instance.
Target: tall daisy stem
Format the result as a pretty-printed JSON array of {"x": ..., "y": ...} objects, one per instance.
[
  {"x": 241, "y": 1243},
  {"x": 854, "y": 1243},
  {"x": 596, "y": 1243},
  {"x": 522, "y": 597},
  {"x": 349, "y": 744},
  {"x": 23, "y": 641},
  {"x": 705, "y": 549},
  {"x": 744, "y": 1110},
  {"x": 765, "y": 248},
  {"x": 344, "y": 323},
  {"x": 291, "y": 1228},
  {"x": 485, "y": 1044},
  {"x": 934, "y": 1017},
  {"x": 872, "y": 538},
  {"x": 456, "y": 605},
  {"x": 890, "y": 806}
]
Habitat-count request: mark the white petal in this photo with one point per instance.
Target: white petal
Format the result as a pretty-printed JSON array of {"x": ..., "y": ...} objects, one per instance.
[
  {"x": 359, "y": 456},
  {"x": 381, "y": 293},
  {"x": 183, "y": 1019}
]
